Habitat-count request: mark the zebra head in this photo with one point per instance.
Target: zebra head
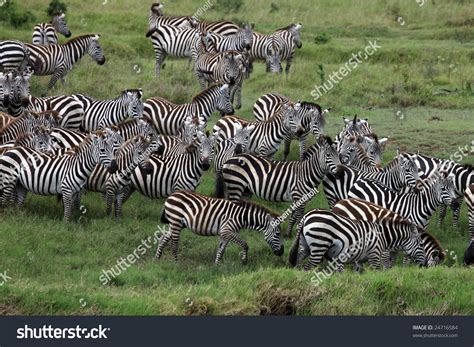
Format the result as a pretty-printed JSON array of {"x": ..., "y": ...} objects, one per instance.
[
  {"x": 22, "y": 87},
  {"x": 328, "y": 159},
  {"x": 59, "y": 23},
  {"x": 317, "y": 122},
  {"x": 312, "y": 117},
  {"x": 272, "y": 233},
  {"x": 206, "y": 149},
  {"x": 273, "y": 58},
  {"x": 42, "y": 139},
  {"x": 374, "y": 148},
  {"x": 134, "y": 102},
  {"x": 233, "y": 66},
  {"x": 294, "y": 30},
  {"x": 156, "y": 9},
  {"x": 448, "y": 188},
  {"x": 95, "y": 50},
  {"x": 6, "y": 87},
  {"x": 190, "y": 128},
  {"x": 292, "y": 118},
  {"x": 245, "y": 35},
  {"x": 409, "y": 171},
  {"x": 113, "y": 138},
  {"x": 223, "y": 102},
  {"x": 241, "y": 138},
  {"x": 104, "y": 149},
  {"x": 145, "y": 128},
  {"x": 348, "y": 148},
  {"x": 414, "y": 247}
]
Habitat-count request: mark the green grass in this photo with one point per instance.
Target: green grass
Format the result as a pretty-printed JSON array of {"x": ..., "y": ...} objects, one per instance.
[{"x": 55, "y": 267}]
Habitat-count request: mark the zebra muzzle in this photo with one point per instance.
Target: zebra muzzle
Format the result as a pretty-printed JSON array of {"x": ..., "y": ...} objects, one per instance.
[{"x": 280, "y": 251}]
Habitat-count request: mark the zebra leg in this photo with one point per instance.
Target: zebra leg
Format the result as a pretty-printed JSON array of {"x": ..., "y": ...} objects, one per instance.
[
  {"x": 227, "y": 235},
  {"x": 287, "y": 149},
  {"x": 109, "y": 201},
  {"x": 456, "y": 207},
  {"x": 160, "y": 57},
  {"x": 442, "y": 213},
  {"x": 67, "y": 203},
  {"x": 406, "y": 260},
  {"x": 374, "y": 260},
  {"x": 314, "y": 259},
  {"x": 288, "y": 64},
  {"x": 20, "y": 196},
  {"x": 162, "y": 243},
  {"x": 220, "y": 250},
  {"x": 118, "y": 205},
  {"x": 175, "y": 233},
  {"x": 58, "y": 74},
  {"x": 302, "y": 145},
  {"x": 296, "y": 216}
]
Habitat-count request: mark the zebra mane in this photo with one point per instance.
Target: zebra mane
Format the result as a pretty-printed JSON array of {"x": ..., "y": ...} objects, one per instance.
[
  {"x": 288, "y": 27},
  {"x": 311, "y": 105},
  {"x": 250, "y": 204},
  {"x": 468, "y": 167},
  {"x": 79, "y": 38},
  {"x": 87, "y": 140},
  {"x": 205, "y": 91},
  {"x": 436, "y": 242}
]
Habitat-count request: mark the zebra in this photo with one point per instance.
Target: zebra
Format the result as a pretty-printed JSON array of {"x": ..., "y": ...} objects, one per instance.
[
  {"x": 66, "y": 138},
  {"x": 180, "y": 172},
  {"x": 464, "y": 176},
  {"x": 172, "y": 41},
  {"x": 221, "y": 27},
  {"x": 417, "y": 207},
  {"x": 218, "y": 217},
  {"x": 39, "y": 139},
  {"x": 45, "y": 33},
  {"x": 99, "y": 114},
  {"x": 291, "y": 40},
  {"x": 323, "y": 232},
  {"x": 58, "y": 59},
  {"x": 19, "y": 92},
  {"x": 14, "y": 55},
  {"x": 269, "y": 49},
  {"x": 266, "y": 136},
  {"x": 156, "y": 18},
  {"x": 168, "y": 117},
  {"x": 361, "y": 152},
  {"x": 24, "y": 124},
  {"x": 399, "y": 173},
  {"x": 354, "y": 127},
  {"x": 469, "y": 197},
  {"x": 64, "y": 174},
  {"x": 6, "y": 89},
  {"x": 312, "y": 117},
  {"x": 367, "y": 211},
  {"x": 227, "y": 67},
  {"x": 184, "y": 141},
  {"x": 237, "y": 42},
  {"x": 279, "y": 181}
]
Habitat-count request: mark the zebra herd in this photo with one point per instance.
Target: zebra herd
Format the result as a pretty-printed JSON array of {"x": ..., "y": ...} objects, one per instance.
[{"x": 67, "y": 144}]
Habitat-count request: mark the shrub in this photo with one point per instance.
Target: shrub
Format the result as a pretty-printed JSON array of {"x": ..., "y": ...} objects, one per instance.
[
  {"x": 16, "y": 17},
  {"x": 56, "y": 6},
  {"x": 321, "y": 39}
]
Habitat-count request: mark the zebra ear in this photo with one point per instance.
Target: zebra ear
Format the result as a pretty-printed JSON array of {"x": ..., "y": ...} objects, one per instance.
[{"x": 383, "y": 141}]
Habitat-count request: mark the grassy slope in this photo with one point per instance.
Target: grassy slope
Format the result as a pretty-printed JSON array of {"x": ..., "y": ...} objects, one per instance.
[{"x": 55, "y": 267}]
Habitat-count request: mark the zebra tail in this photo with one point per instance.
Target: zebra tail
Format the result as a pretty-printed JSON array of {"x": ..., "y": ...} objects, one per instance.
[
  {"x": 219, "y": 185},
  {"x": 164, "y": 218},
  {"x": 293, "y": 256}
]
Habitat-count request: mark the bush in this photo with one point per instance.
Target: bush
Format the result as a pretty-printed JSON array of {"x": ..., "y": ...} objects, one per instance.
[
  {"x": 16, "y": 17},
  {"x": 321, "y": 39},
  {"x": 229, "y": 5},
  {"x": 56, "y": 6}
]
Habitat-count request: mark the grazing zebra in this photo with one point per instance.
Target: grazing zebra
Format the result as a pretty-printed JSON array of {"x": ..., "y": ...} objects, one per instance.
[
  {"x": 227, "y": 67},
  {"x": 168, "y": 117},
  {"x": 291, "y": 40},
  {"x": 401, "y": 172},
  {"x": 100, "y": 114},
  {"x": 64, "y": 174},
  {"x": 367, "y": 211},
  {"x": 14, "y": 55},
  {"x": 463, "y": 177},
  {"x": 469, "y": 197},
  {"x": 58, "y": 60},
  {"x": 279, "y": 181},
  {"x": 353, "y": 241},
  {"x": 311, "y": 114},
  {"x": 237, "y": 42},
  {"x": 172, "y": 41},
  {"x": 266, "y": 136},
  {"x": 180, "y": 172},
  {"x": 417, "y": 207},
  {"x": 217, "y": 217},
  {"x": 269, "y": 49},
  {"x": 157, "y": 18},
  {"x": 45, "y": 33}
]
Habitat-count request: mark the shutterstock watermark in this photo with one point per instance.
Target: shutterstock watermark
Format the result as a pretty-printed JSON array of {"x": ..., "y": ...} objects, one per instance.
[
  {"x": 124, "y": 263},
  {"x": 462, "y": 152},
  {"x": 352, "y": 64},
  {"x": 201, "y": 10}
]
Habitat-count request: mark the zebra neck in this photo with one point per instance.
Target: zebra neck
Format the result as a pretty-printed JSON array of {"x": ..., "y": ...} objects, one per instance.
[
  {"x": 83, "y": 159},
  {"x": 205, "y": 103},
  {"x": 73, "y": 51},
  {"x": 13, "y": 130}
]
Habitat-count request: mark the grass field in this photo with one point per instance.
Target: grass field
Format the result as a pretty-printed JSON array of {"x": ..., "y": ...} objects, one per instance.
[{"x": 416, "y": 89}]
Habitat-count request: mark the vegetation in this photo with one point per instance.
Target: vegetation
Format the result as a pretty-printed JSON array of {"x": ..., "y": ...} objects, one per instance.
[{"x": 416, "y": 89}]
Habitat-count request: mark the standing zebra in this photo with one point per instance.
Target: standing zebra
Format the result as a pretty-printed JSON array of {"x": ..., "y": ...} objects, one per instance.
[
  {"x": 172, "y": 41},
  {"x": 180, "y": 172},
  {"x": 228, "y": 67},
  {"x": 14, "y": 55},
  {"x": 320, "y": 232},
  {"x": 58, "y": 60},
  {"x": 168, "y": 117},
  {"x": 311, "y": 114},
  {"x": 45, "y": 33},
  {"x": 64, "y": 174},
  {"x": 401, "y": 172},
  {"x": 210, "y": 216},
  {"x": 266, "y": 136},
  {"x": 237, "y": 42},
  {"x": 99, "y": 114},
  {"x": 269, "y": 49},
  {"x": 279, "y": 181},
  {"x": 469, "y": 197},
  {"x": 417, "y": 207},
  {"x": 291, "y": 40},
  {"x": 463, "y": 177},
  {"x": 363, "y": 210},
  {"x": 156, "y": 18}
]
